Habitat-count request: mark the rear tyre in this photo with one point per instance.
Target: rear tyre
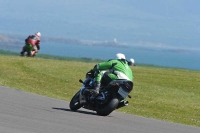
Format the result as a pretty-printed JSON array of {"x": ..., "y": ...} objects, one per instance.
[
  {"x": 109, "y": 108},
  {"x": 75, "y": 103}
]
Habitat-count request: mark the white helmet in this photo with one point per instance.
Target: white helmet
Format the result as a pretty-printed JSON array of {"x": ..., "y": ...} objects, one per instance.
[
  {"x": 38, "y": 34},
  {"x": 132, "y": 60},
  {"x": 120, "y": 56}
]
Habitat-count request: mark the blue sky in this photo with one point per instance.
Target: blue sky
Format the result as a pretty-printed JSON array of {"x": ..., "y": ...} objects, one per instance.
[{"x": 150, "y": 23}]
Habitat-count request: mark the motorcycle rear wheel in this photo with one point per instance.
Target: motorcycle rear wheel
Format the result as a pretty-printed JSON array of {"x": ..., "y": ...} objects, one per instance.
[
  {"x": 75, "y": 103},
  {"x": 109, "y": 108}
]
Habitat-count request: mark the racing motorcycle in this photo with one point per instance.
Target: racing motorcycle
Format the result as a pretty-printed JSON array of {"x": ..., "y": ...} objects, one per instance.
[
  {"x": 26, "y": 54},
  {"x": 111, "y": 96}
]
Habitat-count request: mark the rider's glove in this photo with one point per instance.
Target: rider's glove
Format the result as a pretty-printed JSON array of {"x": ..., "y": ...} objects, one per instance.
[{"x": 90, "y": 74}]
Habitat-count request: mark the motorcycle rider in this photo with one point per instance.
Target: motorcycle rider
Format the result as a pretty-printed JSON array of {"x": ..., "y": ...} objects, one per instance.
[
  {"x": 110, "y": 70},
  {"x": 32, "y": 45},
  {"x": 131, "y": 62}
]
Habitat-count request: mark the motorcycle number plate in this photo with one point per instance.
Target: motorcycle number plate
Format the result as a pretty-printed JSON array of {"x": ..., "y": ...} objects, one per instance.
[{"x": 122, "y": 92}]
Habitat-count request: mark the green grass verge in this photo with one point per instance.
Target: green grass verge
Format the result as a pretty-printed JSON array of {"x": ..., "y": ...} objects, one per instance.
[{"x": 162, "y": 93}]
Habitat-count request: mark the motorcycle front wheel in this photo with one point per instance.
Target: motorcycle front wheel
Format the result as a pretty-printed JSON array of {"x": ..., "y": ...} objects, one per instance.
[{"x": 75, "y": 103}]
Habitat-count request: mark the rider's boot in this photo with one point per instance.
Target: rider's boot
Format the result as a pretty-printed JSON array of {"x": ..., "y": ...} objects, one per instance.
[{"x": 94, "y": 89}]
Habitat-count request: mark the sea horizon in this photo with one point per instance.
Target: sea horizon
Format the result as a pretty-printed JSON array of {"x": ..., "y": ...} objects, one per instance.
[{"x": 156, "y": 57}]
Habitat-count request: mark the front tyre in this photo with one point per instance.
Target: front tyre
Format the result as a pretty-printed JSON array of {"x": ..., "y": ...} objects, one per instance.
[
  {"x": 75, "y": 102},
  {"x": 109, "y": 108}
]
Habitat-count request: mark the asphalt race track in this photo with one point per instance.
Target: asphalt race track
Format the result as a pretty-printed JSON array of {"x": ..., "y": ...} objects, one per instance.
[{"x": 22, "y": 112}]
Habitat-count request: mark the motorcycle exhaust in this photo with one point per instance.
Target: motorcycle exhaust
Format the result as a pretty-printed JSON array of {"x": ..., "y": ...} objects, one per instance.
[{"x": 122, "y": 104}]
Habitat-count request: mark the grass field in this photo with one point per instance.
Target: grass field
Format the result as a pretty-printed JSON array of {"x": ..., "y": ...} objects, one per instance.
[{"x": 163, "y": 93}]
